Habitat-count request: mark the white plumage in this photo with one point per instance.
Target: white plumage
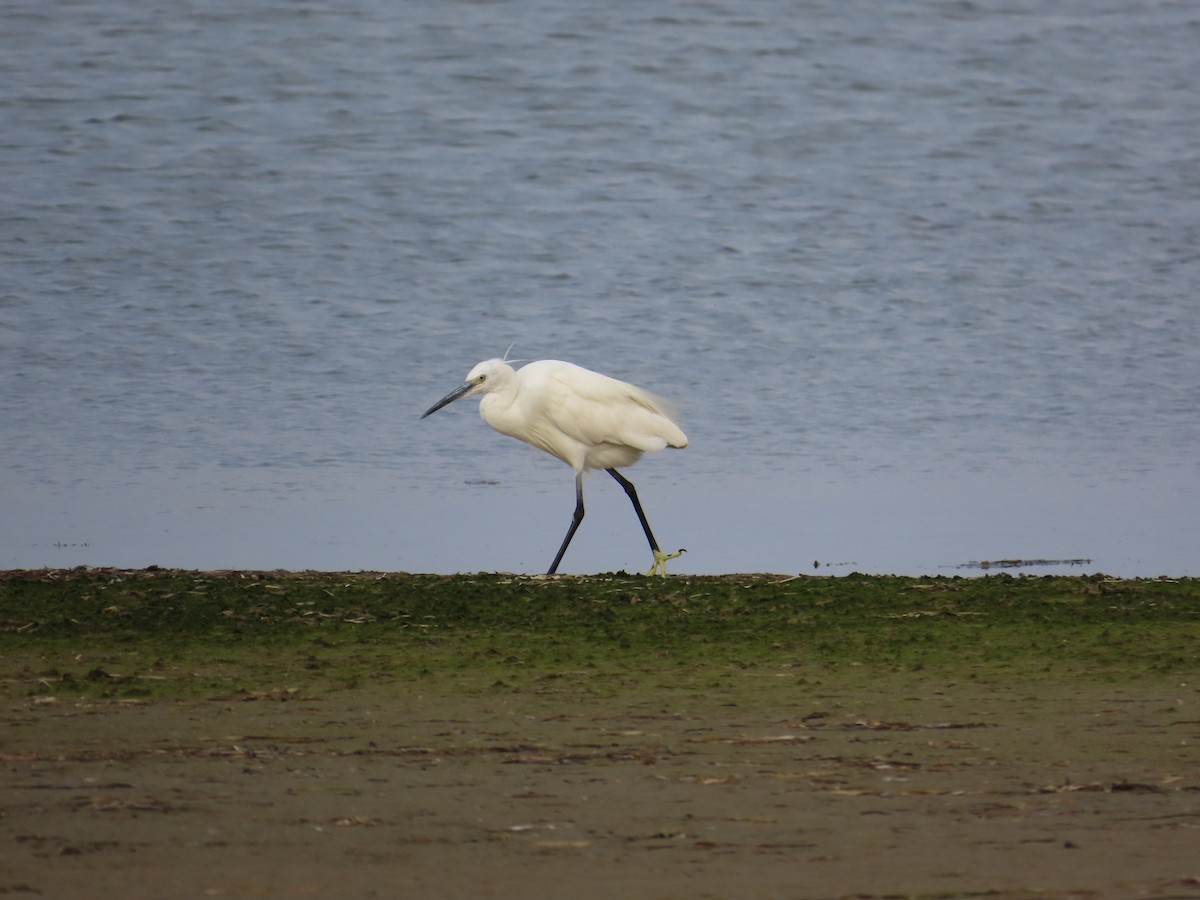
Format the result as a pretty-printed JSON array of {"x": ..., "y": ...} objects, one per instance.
[{"x": 588, "y": 420}]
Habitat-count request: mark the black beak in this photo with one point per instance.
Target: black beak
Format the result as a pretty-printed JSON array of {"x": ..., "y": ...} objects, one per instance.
[{"x": 449, "y": 398}]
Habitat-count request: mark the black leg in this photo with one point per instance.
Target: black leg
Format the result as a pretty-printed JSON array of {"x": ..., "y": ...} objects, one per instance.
[
  {"x": 660, "y": 558},
  {"x": 637, "y": 506},
  {"x": 575, "y": 520}
]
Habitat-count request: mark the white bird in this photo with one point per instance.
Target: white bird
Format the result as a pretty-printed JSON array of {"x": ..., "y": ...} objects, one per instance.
[{"x": 586, "y": 419}]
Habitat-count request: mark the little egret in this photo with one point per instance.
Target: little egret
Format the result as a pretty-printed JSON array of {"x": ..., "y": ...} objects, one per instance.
[{"x": 586, "y": 419}]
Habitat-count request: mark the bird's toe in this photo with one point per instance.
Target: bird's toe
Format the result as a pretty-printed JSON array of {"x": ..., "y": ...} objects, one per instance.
[{"x": 660, "y": 561}]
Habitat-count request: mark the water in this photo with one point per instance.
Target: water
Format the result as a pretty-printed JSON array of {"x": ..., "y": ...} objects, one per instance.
[{"x": 923, "y": 283}]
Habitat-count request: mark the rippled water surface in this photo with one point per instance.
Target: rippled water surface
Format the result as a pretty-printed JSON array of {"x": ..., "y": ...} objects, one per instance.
[{"x": 924, "y": 284}]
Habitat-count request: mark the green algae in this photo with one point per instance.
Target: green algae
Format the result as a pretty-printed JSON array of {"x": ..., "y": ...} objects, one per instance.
[{"x": 123, "y": 634}]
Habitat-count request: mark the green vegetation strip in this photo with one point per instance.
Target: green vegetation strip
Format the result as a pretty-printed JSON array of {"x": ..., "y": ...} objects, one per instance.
[{"x": 166, "y": 633}]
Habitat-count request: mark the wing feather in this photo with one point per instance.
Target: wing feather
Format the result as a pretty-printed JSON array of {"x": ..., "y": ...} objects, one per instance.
[{"x": 594, "y": 409}]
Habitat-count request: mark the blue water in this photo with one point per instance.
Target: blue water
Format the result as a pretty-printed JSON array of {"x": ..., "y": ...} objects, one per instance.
[{"x": 924, "y": 283}]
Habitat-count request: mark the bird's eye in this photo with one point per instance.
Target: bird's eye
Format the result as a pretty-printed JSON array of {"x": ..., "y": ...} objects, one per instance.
[{"x": 482, "y": 379}]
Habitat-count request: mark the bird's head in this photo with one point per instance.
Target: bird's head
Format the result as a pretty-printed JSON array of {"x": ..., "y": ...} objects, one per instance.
[{"x": 488, "y": 375}]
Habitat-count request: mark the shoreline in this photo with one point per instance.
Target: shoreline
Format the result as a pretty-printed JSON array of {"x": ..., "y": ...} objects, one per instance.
[{"x": 176, "y": 733}]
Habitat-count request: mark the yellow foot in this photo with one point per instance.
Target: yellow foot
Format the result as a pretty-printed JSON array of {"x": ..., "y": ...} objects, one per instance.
[{"x": 660, "y": 561}]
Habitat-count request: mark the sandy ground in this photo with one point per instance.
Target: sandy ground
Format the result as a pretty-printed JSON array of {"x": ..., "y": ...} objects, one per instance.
[{"x": 968, "y": 790}]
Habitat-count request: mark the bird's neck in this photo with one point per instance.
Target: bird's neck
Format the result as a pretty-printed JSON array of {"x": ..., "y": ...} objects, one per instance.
[{"x": 498, "y": 409}]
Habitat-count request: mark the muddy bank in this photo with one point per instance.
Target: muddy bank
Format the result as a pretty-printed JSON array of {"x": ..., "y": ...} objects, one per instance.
[
  {"x": 333, "y": 735},
  {"x": 902, "y": 790}
]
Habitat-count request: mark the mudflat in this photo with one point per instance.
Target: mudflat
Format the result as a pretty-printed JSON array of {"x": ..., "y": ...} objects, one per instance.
[{"x": 171, "y": 734}]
